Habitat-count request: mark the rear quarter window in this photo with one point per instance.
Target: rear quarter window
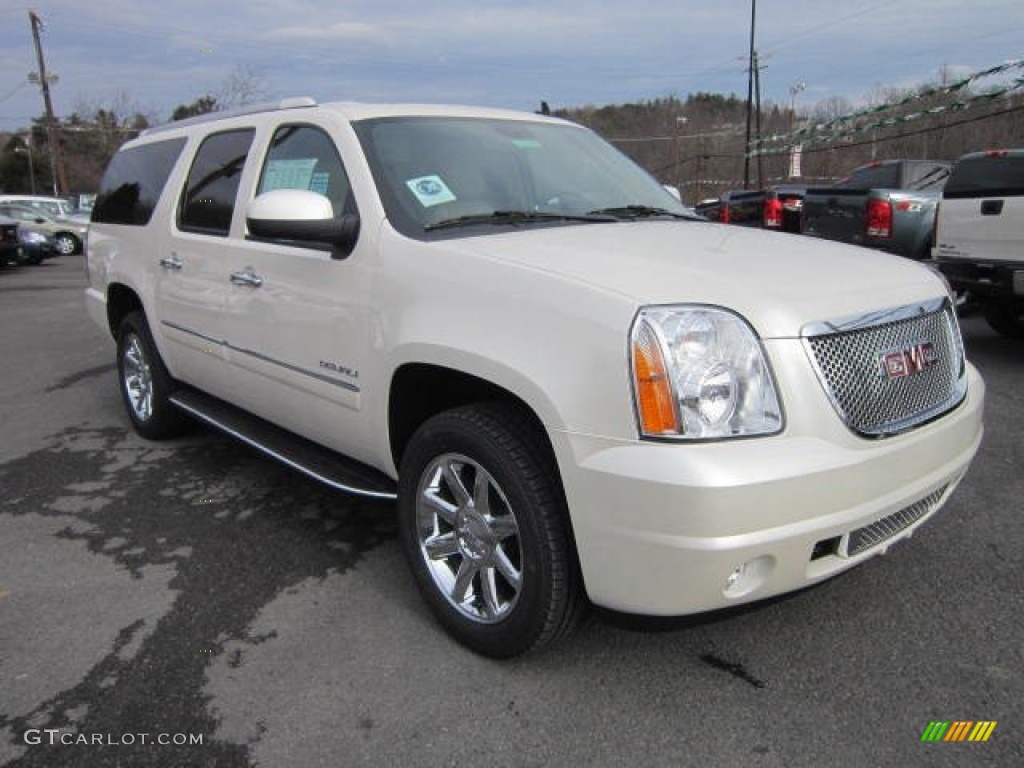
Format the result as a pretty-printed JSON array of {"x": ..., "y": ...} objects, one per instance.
[
  {"x": 134, "y": 181},
  {"x": 988, "y": 176}
]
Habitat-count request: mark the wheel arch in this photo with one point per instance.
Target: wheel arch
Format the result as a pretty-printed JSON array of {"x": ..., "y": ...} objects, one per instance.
[
  {"x": 421, "y": 390},
  {"x": 121, "y": 301}
]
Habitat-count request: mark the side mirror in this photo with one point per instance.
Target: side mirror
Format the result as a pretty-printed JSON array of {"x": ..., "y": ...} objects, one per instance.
[{"x": 301, "y": 217}]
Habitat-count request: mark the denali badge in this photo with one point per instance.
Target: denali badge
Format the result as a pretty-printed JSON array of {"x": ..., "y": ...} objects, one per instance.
[{"x": 907, "y": 362}]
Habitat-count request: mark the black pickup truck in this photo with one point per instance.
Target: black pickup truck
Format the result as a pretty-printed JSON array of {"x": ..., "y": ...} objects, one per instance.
[
  {"x": 889, "y": 205},
  {"x": 776, "y": 207}
]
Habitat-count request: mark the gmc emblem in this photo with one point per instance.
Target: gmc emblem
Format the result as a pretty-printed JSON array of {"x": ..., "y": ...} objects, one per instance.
[{"x": 907, "y": 362}]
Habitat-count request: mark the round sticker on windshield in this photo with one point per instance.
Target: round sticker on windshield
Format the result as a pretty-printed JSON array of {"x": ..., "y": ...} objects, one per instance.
[{"x": 430, "y": 190}]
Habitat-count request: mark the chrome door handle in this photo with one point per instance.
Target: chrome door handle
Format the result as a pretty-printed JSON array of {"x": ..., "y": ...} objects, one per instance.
[
  {"x": 247, "y": 277},
  {"x": 172, "y": 262}
]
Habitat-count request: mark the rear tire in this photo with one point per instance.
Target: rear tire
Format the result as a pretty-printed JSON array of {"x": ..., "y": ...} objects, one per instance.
[
  {"x": 485, "y": 530},
  {"x": 145, "y": 383},
  {"x": 1006, "y": 318}
]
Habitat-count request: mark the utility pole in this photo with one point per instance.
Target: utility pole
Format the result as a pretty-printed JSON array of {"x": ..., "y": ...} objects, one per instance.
[
  {"x": 27, "y": 149},
  {"x": 795, "y": 149},
  {"x": 697, "y": 173},
  {"x": 750, "y": 94},
  {"x": 677, "y": 177},
  {"x": 757, "y": 114},
  {"x": 60, "y": 184}
]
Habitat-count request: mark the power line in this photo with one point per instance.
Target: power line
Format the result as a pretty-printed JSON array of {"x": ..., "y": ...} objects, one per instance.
[
  {"x": 13, "y": 91},
  {"x": 919, "y": 131},
  {"x": 808, "y": 30}
]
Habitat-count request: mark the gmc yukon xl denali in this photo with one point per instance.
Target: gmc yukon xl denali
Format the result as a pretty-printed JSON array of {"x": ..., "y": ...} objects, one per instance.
[{"x": 577, "y": 393}]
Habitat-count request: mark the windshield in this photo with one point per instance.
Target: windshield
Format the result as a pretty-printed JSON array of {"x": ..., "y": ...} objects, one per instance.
[{"x": 448, "y": 176}]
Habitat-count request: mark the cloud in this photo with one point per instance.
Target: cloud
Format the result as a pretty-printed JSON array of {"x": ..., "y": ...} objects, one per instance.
[{"x": 342, "y": 31}]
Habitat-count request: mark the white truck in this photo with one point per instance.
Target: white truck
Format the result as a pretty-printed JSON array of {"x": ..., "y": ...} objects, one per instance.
[
  {"x": 576, "y": 392},
  {"x": 979, "y": 235}
]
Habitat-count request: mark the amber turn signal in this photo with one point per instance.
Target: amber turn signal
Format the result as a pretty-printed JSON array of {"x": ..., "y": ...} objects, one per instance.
[{"x": 655, "y": 403}]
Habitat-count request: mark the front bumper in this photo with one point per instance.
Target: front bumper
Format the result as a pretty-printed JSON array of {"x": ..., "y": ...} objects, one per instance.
[{"x": 675, "y": 529}]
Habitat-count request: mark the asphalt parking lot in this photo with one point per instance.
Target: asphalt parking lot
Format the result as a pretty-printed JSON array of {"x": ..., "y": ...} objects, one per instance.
[{"x": 195, "y": 591}]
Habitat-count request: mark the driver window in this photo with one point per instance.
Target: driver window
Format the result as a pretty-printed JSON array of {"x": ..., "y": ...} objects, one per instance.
[{"x": 304, "y": 157}]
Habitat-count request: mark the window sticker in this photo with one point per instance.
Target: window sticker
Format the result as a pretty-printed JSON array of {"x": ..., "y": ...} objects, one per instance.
[
  {"x": 288, "y": 174},
  {"x": 430, "y": 190},
  {"x": 319, "y": 182}
]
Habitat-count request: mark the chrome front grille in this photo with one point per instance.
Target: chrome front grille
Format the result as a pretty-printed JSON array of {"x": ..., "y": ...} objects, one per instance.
[
  {"x": 889, "y": 371},
  {"x": 870, "y": 535}
]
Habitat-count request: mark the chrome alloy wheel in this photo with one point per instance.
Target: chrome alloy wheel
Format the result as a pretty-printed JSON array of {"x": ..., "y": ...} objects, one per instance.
[
  {"x": 138, "y": 379},
  {"x": 469, "y": 538},
  {"x": 65, "y": 244}
]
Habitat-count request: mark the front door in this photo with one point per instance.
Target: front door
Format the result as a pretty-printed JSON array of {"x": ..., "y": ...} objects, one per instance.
[{"x": 296, "y": 318}]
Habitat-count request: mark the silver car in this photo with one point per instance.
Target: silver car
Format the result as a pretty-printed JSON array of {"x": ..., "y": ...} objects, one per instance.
[{"x": 68, "y": 234}]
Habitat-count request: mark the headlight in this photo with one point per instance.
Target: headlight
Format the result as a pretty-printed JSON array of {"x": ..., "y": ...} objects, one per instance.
[
  {"x": 33, "y": 238},
  {"x": 700, "y": 373}
]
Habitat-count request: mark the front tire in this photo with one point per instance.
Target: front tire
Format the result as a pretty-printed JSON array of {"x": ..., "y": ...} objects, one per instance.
[
  {"x": 1006, "y": 318},
  {"x": 484, "y": 527},
  {"x": 145, "y": 383}
]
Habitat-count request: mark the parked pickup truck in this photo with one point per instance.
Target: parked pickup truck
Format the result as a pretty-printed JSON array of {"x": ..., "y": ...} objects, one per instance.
[
  {"x": 979, "y": 242},
  {"x": 889, "y": 205},
  {"x": 775, "y": 208},
  {"x": 576, "y": 392}
]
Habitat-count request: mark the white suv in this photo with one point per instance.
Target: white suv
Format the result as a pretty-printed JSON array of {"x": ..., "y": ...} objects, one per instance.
[{"x": 577, "y": 392}]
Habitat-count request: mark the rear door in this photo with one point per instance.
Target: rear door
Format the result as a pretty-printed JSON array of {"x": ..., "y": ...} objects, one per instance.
[
  {"x": 193, "y": 277},
  {"x": 981, "y": 216}
]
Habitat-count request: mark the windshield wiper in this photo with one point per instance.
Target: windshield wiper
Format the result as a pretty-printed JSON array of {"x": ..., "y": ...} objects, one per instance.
[
  {"x": 515, "y": 217},
  {"x": 640, "y": 212}
]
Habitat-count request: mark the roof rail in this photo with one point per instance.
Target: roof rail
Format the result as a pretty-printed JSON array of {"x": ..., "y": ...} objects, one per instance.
[{"x": 295, "y": 102}]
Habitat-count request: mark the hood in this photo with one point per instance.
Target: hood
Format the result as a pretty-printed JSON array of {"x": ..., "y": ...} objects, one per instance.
[{"x": 778, "y": 282}]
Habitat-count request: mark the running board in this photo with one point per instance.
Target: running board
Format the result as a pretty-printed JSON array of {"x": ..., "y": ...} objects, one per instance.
[{"x": 314, "y": 461}]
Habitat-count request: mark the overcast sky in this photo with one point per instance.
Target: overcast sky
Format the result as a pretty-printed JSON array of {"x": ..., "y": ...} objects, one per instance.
[{"x": 492, "y": 52}]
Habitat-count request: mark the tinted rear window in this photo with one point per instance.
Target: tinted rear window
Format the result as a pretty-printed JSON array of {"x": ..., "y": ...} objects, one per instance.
[
  {"x": 134, "y": 181},
  {"x": 872, "y": 177},
  {"x": 989, "y": 176}
]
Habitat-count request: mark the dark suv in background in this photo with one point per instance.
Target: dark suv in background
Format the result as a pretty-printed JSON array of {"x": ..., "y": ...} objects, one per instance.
[{"x": 10, "y": 247}]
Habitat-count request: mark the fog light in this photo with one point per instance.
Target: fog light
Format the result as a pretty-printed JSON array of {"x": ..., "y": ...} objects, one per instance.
[
  {"x": 749, "y": 576},
  {"x": 734, "y": 577}
]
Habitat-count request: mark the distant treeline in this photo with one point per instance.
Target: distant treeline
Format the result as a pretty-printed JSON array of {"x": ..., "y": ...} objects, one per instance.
[{"x": 699, "y": 143}]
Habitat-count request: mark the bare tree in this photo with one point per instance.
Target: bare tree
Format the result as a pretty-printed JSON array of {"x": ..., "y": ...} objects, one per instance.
[{"x": 243, "y": 85}]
